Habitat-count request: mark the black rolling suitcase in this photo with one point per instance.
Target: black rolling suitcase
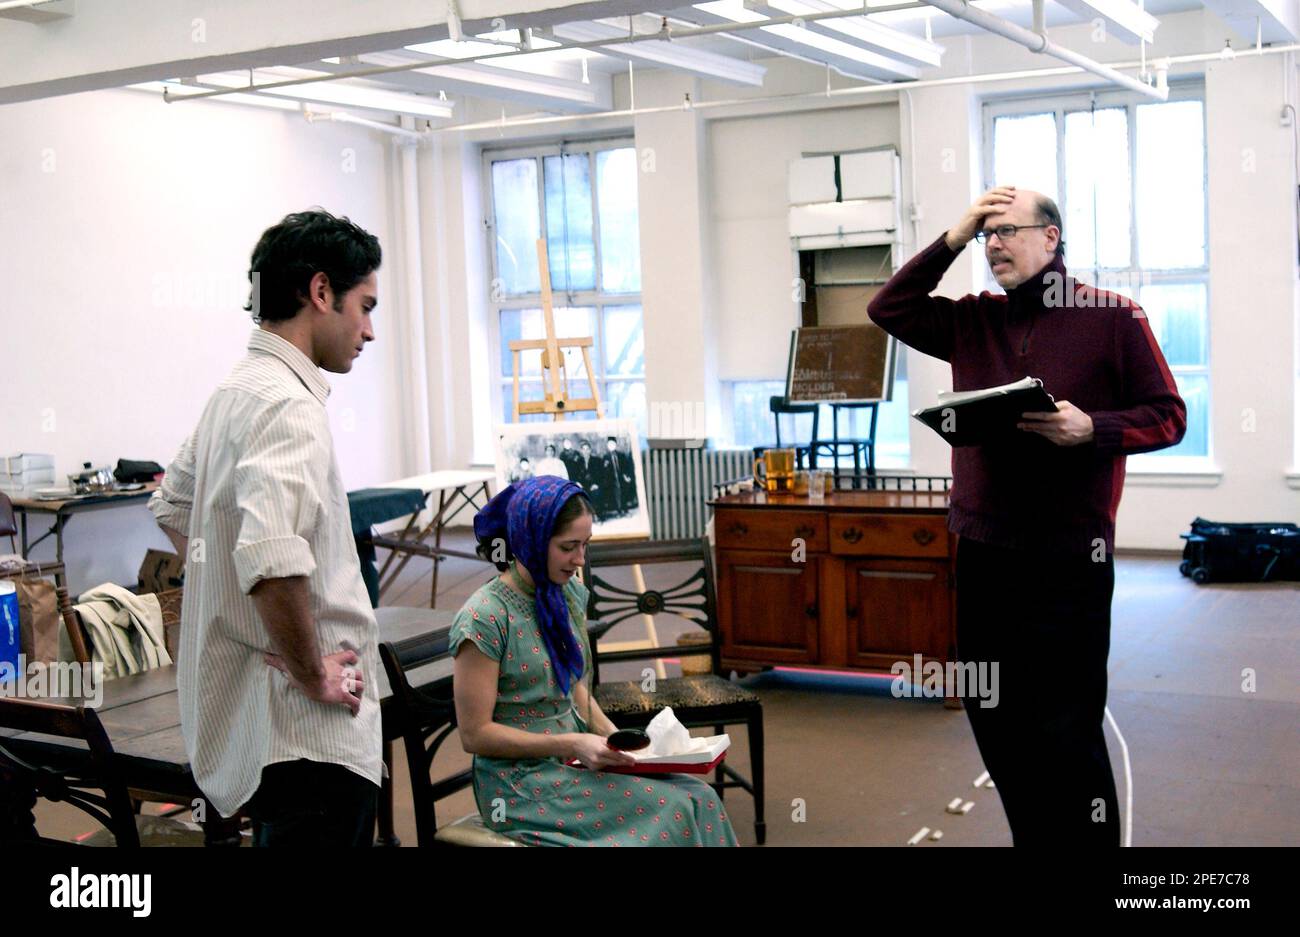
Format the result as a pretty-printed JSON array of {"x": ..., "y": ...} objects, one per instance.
[{"x": 1241, "y": 552}]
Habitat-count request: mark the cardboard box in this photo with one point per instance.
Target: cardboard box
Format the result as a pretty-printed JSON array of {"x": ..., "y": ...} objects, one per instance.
[
  {"x": 161, "y": 571},
  {"x": 25, "y": 462}
]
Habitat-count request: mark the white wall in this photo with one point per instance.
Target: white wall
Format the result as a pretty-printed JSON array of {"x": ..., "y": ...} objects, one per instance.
[
  {"x": 753, "y": 276},
  {"x": 126, "y": 227}
]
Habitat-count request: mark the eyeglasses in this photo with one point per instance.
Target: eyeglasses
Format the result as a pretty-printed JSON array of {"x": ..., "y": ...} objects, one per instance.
[{"x": 1005, "y": 232}]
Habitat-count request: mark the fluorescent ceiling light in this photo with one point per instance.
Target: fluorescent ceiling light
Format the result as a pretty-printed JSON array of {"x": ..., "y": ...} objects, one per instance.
[
  {"x": 1124, "y": 18},
  {"x": 666, "y": 54},
  {"x": 733, "y": 10},
  {"x": 337, "y": 92},
  {"x": 857, "y": 30},
  {"x": 736, "y": 11},
  {"x": 476, "y": 79}
]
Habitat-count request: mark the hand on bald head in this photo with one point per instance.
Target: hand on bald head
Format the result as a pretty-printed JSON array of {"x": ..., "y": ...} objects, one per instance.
[{"x": 1013, "y": 256}]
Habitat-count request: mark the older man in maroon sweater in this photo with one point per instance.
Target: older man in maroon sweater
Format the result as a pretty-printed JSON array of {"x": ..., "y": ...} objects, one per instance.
[{"x": 1035, "y": 514}]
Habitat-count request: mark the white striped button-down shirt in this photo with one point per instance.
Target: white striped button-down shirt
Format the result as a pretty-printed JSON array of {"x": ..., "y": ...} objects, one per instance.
[{"x": 257, "y": 490}]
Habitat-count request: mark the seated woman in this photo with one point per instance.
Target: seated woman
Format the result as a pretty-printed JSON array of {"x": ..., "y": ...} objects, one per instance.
[{"x": 521, "y": 651}]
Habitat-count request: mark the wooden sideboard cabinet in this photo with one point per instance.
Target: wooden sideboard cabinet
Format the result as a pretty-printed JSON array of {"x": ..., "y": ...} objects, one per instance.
[{"x": 857, "y": 582}]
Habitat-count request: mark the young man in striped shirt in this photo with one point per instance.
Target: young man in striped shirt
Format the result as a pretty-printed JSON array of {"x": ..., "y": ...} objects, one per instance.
[
  {"x": 278, "y": 641},
  {"x": 1036, "y": 513}
]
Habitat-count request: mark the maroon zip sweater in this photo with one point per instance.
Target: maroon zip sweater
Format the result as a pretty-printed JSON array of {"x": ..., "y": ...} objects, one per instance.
[{"x": 1088, "y": 346}]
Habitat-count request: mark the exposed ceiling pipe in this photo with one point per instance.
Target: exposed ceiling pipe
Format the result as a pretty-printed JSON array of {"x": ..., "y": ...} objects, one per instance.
[
  {"x": 1038, "y": 42},
  {"x": 345, "y": 118},
  {"x": 1162, "y": 66}
]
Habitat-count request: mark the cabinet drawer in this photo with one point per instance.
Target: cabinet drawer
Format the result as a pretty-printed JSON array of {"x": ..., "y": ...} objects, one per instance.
[
  {"x": 889, "y": 535},
  {"x": 769, "y": 530}
]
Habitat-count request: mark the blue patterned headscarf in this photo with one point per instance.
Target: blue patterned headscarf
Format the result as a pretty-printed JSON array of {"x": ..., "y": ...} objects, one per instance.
[{"x": 524, "y": 514}]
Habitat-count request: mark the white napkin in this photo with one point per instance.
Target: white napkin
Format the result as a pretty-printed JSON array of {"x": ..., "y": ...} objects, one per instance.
[{"x": 669, "y": 737}]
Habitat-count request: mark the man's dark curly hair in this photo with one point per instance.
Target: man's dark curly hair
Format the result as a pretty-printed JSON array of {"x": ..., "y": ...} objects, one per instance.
[{"x": 303, "y": 244}]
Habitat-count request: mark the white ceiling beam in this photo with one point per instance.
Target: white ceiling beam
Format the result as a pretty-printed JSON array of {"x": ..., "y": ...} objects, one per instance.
[
  {"x": 110, "y": 44},
  {"x": 797, "y": 42},
  {"x": 29, "y": 12},
  {"x": 1124, "y": 19},
  {"x": 494, "y": 84},
  {"x": 1269, "y": 20},
  {"x": 856, "y": 30},
  {"x": 672, "y": 55}
]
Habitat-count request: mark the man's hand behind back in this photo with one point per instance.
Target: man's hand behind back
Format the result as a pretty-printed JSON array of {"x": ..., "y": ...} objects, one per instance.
[{"x": 340, "y": 682}]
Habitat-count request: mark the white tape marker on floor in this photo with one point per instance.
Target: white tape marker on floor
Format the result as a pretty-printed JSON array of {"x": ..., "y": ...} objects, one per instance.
[
  {"x": 979, "y": 781},
  {"x": 919, "y": 835}
]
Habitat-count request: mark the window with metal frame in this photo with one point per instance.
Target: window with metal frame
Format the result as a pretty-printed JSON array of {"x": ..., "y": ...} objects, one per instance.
[
  {"x": 582, "y": 198},
  {"x": 1129, "y": 177}
]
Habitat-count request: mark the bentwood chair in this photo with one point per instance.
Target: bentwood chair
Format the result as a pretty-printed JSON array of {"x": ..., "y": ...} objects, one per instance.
[
  {"x": 424, "y": 717},
  {"x": 696, "y": 699}
]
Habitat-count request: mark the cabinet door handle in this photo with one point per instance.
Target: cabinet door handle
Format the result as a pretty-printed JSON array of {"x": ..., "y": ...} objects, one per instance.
[
  {"x": 738, "y": 529},
  {"x": 803, "y": 530},
  {"x": 851, "y": 534},
  {"x": 923, "y": 535},
  {"x": 811, "y": 610},
  {"x": 852, "y": 612}
]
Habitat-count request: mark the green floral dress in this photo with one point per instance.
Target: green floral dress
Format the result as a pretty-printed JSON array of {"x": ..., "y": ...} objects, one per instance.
[{"x": 544, "y": 801}]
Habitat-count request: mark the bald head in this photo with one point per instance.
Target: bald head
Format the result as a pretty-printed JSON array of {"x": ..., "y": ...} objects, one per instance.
[{"x": 1035, "y": 243}]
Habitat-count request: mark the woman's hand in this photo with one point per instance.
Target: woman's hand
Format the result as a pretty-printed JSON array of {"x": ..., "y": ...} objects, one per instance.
[{"x": 594, "y": 752}]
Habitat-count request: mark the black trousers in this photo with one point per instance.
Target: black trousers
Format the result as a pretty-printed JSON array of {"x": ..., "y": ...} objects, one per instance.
[
  {"x": 312, "y": 803},
  {"x": 1045, "y": 620}
]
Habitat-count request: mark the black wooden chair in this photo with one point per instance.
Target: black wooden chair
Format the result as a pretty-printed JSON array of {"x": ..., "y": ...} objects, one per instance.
[
  {"x": 697, "y": 700},
  {"x": 781, "y": 406},
  {"x": 98, "y": 789},
  {"x": 110, "y": 806},
  {"x": 423, "y": 717}
]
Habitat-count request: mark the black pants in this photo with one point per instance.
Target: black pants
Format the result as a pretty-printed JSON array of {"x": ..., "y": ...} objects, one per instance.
[
  {"x": 311, "y": 803},
  {"x": 1045, "y": 621}
]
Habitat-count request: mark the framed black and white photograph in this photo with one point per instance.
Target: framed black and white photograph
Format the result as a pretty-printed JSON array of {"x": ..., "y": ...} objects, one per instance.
[{"x": 603, "y": 456}]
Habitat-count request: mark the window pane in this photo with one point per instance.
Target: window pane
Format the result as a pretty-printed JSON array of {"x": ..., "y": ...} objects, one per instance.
[
  {"x": 625, "y": 400},
  {"x": 1024, "y": 153},
  {"x": 576, "y": 322},
  {"x": 620, "y": 235},
  {"x": 1097, "y": 203},
  {"x": 514, "y": 209},
  {"x": 1195, "y": 391},
  {"x": 624, "y": 341},
  {"x": 1171, "y": 185},
  {"x": 571, "y": 250},
  {"x": 1177, "y": 316},
  {"x": 528, "y": 390},
  {"x": 893, "y": 442},
  {"x": 751, "y": 418}
]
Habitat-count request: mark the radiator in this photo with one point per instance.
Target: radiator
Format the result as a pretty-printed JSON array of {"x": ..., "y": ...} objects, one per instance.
[{"x": 679, "y": 482}]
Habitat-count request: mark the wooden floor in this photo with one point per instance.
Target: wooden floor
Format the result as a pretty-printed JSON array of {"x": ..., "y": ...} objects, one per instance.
[{"x": 847, "y": 764}]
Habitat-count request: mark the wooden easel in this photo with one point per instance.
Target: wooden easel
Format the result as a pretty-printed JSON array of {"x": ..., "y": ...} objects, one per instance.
[
  {"x": 555, "y": 379},
  {"x": 555, "y": 401}
]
